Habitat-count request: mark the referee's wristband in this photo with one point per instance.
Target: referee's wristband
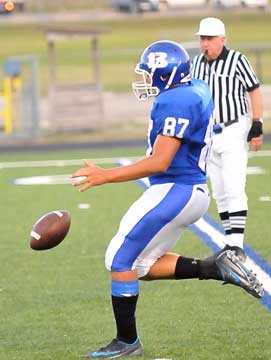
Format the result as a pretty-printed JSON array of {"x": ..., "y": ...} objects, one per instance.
[{"x": 256, "y": 129}]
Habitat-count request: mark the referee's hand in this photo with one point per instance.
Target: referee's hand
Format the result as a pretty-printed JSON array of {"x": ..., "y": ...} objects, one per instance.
[
  {"x": 256, "y": 143},
  {"x": 255, "y": 135}
]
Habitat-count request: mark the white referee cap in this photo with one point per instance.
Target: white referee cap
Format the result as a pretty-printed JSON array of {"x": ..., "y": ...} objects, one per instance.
[{"x": 211, "y": 27}]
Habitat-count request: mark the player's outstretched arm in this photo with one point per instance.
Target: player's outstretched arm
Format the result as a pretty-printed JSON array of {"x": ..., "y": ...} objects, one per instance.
[{"x": 164, "y": 150}]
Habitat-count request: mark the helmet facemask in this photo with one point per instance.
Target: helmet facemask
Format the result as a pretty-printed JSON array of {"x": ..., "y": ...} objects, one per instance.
[{"x": 143, "y": 89}]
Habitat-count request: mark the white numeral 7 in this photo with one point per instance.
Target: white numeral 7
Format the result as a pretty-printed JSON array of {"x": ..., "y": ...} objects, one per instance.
[{"x": 184, "y": 123}]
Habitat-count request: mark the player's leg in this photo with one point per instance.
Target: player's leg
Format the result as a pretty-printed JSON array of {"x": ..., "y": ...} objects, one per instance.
[
  {"x": 155, "y": 259},
  {"x": 148, "y": 230},
  {"x": 156, "y": 262},
  {"x": 223, "y": 265},
  {"x": 177, "y": 267},
  {"x": 145, "y": 218}
]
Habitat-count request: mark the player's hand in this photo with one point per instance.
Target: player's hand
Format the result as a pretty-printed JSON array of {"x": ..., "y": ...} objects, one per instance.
[{"x": 91, "y": 175}]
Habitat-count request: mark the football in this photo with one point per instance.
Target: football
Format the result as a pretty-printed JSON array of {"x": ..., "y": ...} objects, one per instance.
[{"x": 49, "y": 230}]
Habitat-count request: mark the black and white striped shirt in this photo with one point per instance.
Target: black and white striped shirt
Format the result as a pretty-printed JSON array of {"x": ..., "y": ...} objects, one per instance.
[{"x": 230, "y": 76}]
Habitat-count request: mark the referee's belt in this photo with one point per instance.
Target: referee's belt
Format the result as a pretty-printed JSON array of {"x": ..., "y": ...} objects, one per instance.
[{"x": 219, "y": 127}]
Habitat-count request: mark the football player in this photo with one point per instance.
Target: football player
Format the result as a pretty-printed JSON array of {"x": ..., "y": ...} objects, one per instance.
[{"x": 179, "y": 140}]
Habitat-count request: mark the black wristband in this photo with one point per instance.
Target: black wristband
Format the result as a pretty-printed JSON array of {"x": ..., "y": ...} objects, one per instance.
[{"x": 256, "y": 129}]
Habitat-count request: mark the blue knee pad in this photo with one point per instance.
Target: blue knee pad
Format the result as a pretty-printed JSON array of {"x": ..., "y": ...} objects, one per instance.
[{"x": 124, "y": 288}]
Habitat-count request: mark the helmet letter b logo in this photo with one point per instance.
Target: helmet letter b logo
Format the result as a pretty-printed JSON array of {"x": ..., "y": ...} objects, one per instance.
[{"x": 157, "y": 60}]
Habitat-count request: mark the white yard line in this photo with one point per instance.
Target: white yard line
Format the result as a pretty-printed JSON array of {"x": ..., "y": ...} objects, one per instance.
[
  {"x": 61, "y": 163},
  {"x": 108, "y": 160}
]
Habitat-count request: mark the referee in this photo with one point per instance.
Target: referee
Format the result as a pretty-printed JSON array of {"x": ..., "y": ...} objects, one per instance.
[{"x": 230, "y": 77}]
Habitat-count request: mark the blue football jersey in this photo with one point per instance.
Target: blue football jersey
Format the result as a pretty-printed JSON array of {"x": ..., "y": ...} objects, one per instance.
[{"x": 184, "y": 112}]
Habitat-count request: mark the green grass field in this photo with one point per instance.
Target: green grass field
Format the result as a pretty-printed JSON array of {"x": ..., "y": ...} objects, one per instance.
[{"x": 56, "y": 305}]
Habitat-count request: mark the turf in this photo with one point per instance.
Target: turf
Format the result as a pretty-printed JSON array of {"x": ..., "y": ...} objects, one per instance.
[{"x": 56, "y": 304}]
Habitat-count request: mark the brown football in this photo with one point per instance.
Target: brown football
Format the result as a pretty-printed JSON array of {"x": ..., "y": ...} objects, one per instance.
[{"x": 49, "y": 230}]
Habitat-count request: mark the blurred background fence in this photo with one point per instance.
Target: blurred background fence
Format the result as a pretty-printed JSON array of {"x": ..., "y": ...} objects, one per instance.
[
  {"x": 31, "y": 110},
  {"x": 20, "y": 97},
  {"x": 27, "y": 102}
]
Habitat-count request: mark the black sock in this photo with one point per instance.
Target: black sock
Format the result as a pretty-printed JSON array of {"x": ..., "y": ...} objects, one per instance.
[
  {"x": 188, "y": 268},
  {"x": 124, "y": 311}
]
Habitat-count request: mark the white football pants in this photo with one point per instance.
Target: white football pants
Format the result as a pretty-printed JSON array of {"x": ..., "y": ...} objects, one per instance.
[
  {"x": 227, "y": 166},
  {"x": 153, "y": 224}
]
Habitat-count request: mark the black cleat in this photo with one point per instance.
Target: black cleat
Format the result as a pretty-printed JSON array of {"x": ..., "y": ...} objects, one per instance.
[
  {"x": 117, "y": 349},
  {"x": 234, "y": 271}
]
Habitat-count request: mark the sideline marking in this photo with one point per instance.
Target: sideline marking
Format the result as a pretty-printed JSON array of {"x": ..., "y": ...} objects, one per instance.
[
  {"x": 61, "y": 163},
  {"x": 109, "y": 160},
  {"x": 212, "y": 234}
]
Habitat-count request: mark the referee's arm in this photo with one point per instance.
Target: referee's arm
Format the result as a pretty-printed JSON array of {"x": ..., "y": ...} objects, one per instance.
[{"x": 257, "y": 115}]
